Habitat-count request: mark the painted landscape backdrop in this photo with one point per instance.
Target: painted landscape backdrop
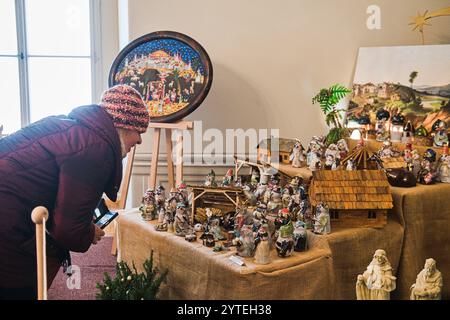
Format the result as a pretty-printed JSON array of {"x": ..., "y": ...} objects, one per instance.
[{"x": 414, "y": 80}]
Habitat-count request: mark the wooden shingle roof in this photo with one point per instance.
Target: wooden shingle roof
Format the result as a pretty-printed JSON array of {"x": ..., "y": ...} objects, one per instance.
[{"x": 360, "y": 189}]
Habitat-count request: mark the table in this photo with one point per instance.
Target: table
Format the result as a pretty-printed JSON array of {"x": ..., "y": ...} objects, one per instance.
[
  {"x": 418, "y": 228},
  {"x": 327, "y": 270},
  {"x": 424, "y": 213}
]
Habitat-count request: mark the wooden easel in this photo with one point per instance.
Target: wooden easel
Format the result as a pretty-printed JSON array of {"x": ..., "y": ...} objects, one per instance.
[
  {"x": 168, "y": 128},
  {"x": 123, "y": 190},
  {"x": 121, "y": 201}
]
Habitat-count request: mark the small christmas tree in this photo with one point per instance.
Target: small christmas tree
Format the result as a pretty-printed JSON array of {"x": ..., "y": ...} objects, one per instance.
[{"x": 129, "y": 285}]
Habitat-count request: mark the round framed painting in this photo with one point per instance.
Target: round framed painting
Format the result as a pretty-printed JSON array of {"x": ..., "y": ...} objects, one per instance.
[{"x": 172, "y": 72}]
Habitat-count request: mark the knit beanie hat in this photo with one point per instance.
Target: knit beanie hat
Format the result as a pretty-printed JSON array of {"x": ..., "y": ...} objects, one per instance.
[{"x": 126, "y": 107}]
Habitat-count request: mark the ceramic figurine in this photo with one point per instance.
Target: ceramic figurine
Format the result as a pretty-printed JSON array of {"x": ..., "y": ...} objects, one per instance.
[
  {"x": 441, "y": 135},
  {"x": 407, "y": 154},
  {"x": 260, "y": 191},
  {"x": 208, "y": 239},
  {"x": 307, "y": 213},
  {"x": 333, "y": 150},
  {"x": 228, "y": 178},
  {"x": 444, "y": 169},
  {"x": 283, "y": 218},
  {"x": 183, "y": 194},
  {"x": 295, "y": 182},
  {"x": 190, "y": 237},
  {"x": 275, "y": 203},
  {"x": 285, "y": 240},
  {"x": 249, "y": 195},
  {"x": 377, "y": 282},
  {"x": 343, "y": 149},
  {"x": 181, "y": 223},
  {"x": 314, "y": 152},
  {"x": 322, "y": 219},
  {"x": 160, "y": 199},
  {"x": 198, "y": 227},
  {"x": 294, "y": 205},
  {"x": 274, "y": 181},
  {"x": 396, "y": 131},
  {"x": 286, "y": 197},
  {"x": 262, "y": 252},
  {"x": 245, "y": 243},
  {"x": 300, "y": 237},
  {"x": 427, "y": 172},
  {"x": 387, "y": 150},
  {"x": 314, "y": 163},
  {"x": 242, "y": 217},
  {"x": 148, "y": 207},
  {"x": 350, "y": 165},
  {"x": 216, "y": 230},
  {"x": 260, "y": 212},
  {"x": 381, "y": 131},
  {"x": 428, "y": 284},
  {"x": 210, "y": 180},
  {"x": 408, "y": 133},
  {"x": 421, "y": 137},
  {"x": 415, "y": 162},
  {"x": 297, "y": 155},
  {"x": 255, "y": 176},
  {"x": 330, "y": 162}
]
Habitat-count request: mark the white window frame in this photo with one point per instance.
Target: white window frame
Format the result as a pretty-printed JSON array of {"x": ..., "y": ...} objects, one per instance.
[{"x": 23, "y": 56}]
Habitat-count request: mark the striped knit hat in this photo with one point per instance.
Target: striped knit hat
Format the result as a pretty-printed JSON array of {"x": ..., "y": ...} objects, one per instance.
[{"x": 125, "y": 106}]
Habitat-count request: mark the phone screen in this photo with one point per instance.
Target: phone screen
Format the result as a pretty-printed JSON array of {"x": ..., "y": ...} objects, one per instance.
[
  {"x": 106, "y": 219},
  {"x": 102, "y": 215}
]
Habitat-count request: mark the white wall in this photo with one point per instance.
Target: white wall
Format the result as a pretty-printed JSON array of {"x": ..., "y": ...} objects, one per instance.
[{"x": 271, "y": 57}]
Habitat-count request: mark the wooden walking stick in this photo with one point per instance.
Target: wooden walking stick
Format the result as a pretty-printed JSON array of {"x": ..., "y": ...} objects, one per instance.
[{"x": 39, "y": 216}]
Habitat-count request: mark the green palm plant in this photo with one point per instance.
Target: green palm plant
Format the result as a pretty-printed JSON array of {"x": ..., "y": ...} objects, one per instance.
[{"x": 328, "y": 99}]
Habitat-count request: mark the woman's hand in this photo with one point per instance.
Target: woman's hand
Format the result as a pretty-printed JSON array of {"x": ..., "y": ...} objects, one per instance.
[{"x": 99, "y": 233}]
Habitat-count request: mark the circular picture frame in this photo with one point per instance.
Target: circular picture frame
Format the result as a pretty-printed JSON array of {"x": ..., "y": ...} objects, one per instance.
[{"x": 172, "y": 72}]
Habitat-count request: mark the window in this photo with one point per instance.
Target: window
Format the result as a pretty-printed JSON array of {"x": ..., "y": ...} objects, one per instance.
[
  {"x": 372, "y": 215},
  {"x": 334, "y": 214},
  {"x": 48, "y": 51}
]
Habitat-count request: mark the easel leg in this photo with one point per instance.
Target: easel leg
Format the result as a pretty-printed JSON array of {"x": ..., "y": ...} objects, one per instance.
[
  {"x": 155, "y": 153},
  {"x": 179, "y": 158},
  {"x": 169, "y": 157}
]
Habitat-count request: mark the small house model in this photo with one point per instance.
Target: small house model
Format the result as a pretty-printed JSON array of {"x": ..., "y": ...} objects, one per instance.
[
  {"x": 357, "y": 198},
  {"x": 223, "y": 199},
  {"x": 362, "y": 159},
  {"x": 275, "y": 150}
]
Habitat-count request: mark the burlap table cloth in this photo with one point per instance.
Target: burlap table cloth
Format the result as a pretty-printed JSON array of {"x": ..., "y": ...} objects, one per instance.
[
  {"x": 424, "y": 212},
  {"x": 327, "y": 270}
]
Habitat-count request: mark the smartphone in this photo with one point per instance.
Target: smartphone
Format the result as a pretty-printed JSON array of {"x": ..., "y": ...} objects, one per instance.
[{"x": 102, "y": 215}]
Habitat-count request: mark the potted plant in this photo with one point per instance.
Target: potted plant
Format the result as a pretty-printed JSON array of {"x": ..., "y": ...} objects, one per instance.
[{"x": 328, "y": 99}]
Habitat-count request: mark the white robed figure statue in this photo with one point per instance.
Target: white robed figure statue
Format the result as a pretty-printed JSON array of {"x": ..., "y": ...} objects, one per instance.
[
  {"x": 377, "y": 282},
  {"x": 428, "y": 284}
]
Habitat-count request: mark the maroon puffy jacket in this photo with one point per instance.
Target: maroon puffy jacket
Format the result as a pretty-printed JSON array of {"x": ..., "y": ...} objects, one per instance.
[{"x": 64, "y": 163}]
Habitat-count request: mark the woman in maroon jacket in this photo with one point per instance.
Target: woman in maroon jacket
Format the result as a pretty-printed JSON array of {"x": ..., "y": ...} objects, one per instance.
[{"x": 64, "y": 163}]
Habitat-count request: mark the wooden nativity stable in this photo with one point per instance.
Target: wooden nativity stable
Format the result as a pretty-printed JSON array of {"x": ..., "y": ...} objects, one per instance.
[{"x": 359, "y": 198}]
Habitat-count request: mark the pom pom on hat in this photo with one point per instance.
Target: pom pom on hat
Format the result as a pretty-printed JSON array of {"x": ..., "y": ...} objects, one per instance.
[{"x": 126, "y": 107}]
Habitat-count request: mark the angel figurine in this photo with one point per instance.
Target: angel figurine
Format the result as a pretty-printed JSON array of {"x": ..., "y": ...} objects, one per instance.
[{"x": 297, "y": 155}]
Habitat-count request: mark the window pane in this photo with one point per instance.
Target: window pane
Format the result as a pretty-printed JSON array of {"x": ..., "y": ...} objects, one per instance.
[
  {"x": 58, "y": 27},
  {"x": 57, "y": 85},
  {"x": 8, "y": 37},
  {"x": 9, "y": 92}
]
